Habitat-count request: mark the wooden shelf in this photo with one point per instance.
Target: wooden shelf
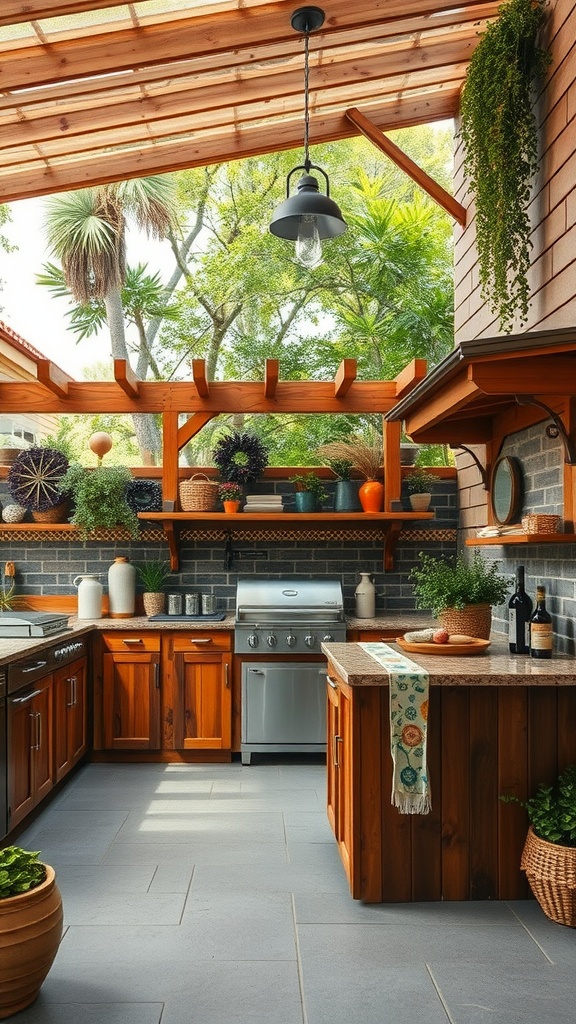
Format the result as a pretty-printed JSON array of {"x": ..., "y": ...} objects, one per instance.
[
  {"x": 523, "y": 538},
  {"x": 388, "y": 524}
]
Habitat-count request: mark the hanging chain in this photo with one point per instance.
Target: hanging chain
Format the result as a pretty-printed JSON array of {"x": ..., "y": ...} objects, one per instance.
[{"x": 306, "y": 111}]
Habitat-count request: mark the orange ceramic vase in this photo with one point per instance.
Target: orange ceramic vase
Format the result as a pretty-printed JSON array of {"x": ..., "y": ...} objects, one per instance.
[
  {"x": 371, "y": 496},
  {"x": 30, "y": 931}
]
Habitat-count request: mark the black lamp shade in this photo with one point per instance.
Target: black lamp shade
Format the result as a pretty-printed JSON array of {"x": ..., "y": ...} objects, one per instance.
[{"x": 307, "y": 202}]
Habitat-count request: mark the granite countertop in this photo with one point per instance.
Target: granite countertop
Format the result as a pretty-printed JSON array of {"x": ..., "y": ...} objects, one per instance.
[{"x": 494, "y": 667}]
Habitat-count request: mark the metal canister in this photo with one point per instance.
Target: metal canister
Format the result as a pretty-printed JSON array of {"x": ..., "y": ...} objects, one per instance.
[
  {"x": 174, "y": 604},
  {"x": 209, "y": 604},
  {"x": 192, "y": 604}
]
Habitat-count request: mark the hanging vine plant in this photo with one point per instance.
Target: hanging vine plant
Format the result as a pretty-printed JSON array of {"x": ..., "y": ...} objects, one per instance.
[{"x": 498, "y": 129}]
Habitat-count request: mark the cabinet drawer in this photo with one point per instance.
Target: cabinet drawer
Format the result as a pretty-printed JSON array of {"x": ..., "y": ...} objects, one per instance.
[
  {"x": 135, "y": 641},
  {"x": 201, "y": 640}
]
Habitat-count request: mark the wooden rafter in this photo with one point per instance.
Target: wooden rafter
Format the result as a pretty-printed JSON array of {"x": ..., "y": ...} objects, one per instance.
[
  {"x": 200, "y": 378},
  {"x": 125, "y": 378},
  {"x": 90, "y": 100},
  {"x": 345, "y": 377},
  {"x": 53, "y": 378},
  {"x": 271, "y": 372}
]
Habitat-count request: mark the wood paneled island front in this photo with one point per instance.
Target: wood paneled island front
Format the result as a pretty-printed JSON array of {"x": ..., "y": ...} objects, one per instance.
[{"x": 497, "y": 725}]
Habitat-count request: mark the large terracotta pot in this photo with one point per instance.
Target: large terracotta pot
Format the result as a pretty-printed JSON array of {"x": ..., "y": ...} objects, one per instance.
[
  {"x": 473, "y": 620},
  {"x": 371, "y": 496},
  {"x": 30, "y": 931}
]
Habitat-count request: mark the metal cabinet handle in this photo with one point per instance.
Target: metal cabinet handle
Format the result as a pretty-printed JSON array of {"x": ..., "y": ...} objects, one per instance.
[
  {"x": 157, "y": 674},
  {"x": 335, "y": 759},
  {"x": 34, "y": 667},
  {"x": 24, "y": 700},
  {"x": 332, "y": 682},
  {"x": 72, "y": 702},
  {"x": 226, "y": 675},
  {"x": 134, "y": 640},
  {"x": 201, "y": 640},
  {"x": 38, "y": 731}
]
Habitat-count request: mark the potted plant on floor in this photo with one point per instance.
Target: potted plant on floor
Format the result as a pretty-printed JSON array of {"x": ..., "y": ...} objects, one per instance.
[
  {"x": 419, "y": 486},
  {"x": 153, "y": 576},
  {"x": 30, "y": 927},
  {"x": 230, "y": 495},
  {"x": 310, "y": 492},
  {"x": 549, "y": 855},
  {"x": 459, "y": 594}
]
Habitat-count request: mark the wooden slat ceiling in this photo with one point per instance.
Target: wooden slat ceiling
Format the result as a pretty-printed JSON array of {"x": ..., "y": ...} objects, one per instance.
[{"x": 100, "y": 90}]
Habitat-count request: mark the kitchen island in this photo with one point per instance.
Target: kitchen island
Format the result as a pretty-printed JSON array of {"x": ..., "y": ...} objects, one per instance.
[{"x": 497, "y": 725}]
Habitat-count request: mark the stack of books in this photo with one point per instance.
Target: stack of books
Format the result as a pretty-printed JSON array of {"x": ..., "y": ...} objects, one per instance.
[{"x": 263, "y": 503}]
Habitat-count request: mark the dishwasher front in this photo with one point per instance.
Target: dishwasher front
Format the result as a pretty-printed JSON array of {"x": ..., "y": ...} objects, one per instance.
[{"x": 283, "y": 707}]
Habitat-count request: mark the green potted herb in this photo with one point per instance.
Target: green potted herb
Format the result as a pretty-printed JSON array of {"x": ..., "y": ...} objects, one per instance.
[
  {"x": 459, "y": 594},
  {"x": 153, "y": 576},
  {"x": 310, "y": 492},
  {"x": 99, "y": 497},
  {"x": 419, "y": 485},
  {"x": 30, "y": 926},
  {"x": 549, "y": 855}
]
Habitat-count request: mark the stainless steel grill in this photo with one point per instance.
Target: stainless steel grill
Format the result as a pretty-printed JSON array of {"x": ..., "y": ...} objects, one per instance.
[{"x": 288, "y": 616}]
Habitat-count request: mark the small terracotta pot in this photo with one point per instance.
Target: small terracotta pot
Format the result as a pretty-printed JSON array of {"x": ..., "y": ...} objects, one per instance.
[
  {"x": 371, "y": 496},
  {"x": 231, "y": 506}
]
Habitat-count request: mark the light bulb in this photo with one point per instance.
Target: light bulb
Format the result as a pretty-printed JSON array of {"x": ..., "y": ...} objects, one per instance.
[{"x": 308, "y": 244}]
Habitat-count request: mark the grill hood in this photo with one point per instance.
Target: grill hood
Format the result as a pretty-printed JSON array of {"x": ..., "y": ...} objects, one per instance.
[{"x": 289, "y": 600}]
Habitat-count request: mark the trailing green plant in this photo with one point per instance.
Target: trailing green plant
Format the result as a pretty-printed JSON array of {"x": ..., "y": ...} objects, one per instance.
[
  {"x": 311, "y": 483},
  {"x": 441, "y": 583},
  {"x": 552, "y": 810},
  {"x": 498, "y": 129},
  {"x": 20, "y": 871},
  {"x": 100, "y": 498},
  {"x": 419, "y": 481},
  {"x": 152, "y": 575}
]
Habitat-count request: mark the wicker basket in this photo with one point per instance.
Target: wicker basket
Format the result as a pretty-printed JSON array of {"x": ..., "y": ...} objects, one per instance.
[
  {"x": 551, "y": 872},
  {"x": 56, "y": 514},
  {"x": 198, "y": 495},
  {"x": 473, "y": 620},
  {"x": 541, "y": 524}
]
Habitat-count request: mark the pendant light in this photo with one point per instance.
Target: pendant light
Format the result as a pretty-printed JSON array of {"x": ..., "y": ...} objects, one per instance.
[{"x": 309, "y": 216}]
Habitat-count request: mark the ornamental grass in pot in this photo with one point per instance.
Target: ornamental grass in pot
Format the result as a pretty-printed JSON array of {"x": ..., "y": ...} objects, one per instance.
[
  {"x": 459, "y": 594},
  {"x": 366, "y": 457},
  {"x": 153, "y": 576},
  {"x": 30, "y": 927},
  {"x": 549, "y": 854}
]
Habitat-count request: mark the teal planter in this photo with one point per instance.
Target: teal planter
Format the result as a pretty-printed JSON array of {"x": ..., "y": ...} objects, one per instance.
[
  {"x": 305, "y": 501},
  {"x": 346, "y": 496}
]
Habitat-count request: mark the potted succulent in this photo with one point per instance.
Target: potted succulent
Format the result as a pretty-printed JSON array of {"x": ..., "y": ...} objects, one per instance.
[
  {"x": 310, "y": 492},
  {"x": 346, "y": 491},
  {"x": 230, "y": 495},
  {"x": 30, "y": 926},
  {"x": 153, "y": 576},
  {"x": 100, "y": 498},
  {"x": 459, "y": 594},
  {"x": 366, "y": 458},
  {"x": 549, "y": 855},
  {"x": 419, "y": 486},
  {"x": 35, "y": 482}
]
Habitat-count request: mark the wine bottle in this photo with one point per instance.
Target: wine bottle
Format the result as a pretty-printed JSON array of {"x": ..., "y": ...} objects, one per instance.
[
  {"x": 519, "y": 612},
  {"x": 541, "y": 634}
]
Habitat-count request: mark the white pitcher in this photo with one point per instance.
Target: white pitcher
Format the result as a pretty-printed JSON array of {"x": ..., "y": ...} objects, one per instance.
[
  {"x": 365, "y": 595},
  {"x": 90, "y": 592}
]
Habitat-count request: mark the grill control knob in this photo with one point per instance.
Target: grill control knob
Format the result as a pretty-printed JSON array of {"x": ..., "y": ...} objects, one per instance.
[
  {"x": 253, "y": 640},
  {"x": 271, "y": 640},
  {"x": 291, "y": 640},
  {"x": 310, "y": 639},
  {"x": 327, "y": 639}
]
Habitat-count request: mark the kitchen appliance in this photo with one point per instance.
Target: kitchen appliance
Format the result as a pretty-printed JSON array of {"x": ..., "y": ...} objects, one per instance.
[
  {"x": 281, "y": 624},
  {"x": 24, "y": 623}
]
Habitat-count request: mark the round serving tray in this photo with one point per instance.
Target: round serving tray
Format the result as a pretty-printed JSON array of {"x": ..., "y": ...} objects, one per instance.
[{"x": 473, "y": 647}]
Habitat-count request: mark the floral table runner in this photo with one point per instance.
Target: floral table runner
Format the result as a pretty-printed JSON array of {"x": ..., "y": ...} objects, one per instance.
[{"x": 408, "y": 728}]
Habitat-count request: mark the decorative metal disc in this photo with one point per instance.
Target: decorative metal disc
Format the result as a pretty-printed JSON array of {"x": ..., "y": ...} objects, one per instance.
[{"x": 34, "y": 479}]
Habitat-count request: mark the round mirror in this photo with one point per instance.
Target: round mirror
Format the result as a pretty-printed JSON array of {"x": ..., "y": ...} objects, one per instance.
[{"x": 506, "y": 490}]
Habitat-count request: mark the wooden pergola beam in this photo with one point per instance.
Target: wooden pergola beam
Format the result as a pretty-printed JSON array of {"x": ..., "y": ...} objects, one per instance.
[
  {"x": 271, "y": 374},
  {"x": 410, "y": 376},
  {"x": 200, "y": 378},
  {"x": 345, "y": 377},
  {"x": 192, "y": 427},
  {"x": 125, "y": 378},
  {"x": 53, "y": 378},
  {"x": 403, "y": 161}
]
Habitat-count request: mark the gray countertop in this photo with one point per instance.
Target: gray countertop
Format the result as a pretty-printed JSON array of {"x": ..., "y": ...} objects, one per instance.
[{"x": 494, "y": 667}]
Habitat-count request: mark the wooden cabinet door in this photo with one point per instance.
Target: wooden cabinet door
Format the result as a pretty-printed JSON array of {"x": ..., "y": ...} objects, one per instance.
[
  {"x": 333, "y": 742},
  {"x": 203, "y": 700},
  {"x": 344, "y": 830},
  {"x": 70, "y": 741},
  {"x": 131, "y": 700},
  {"x": 30, "y": 774}
]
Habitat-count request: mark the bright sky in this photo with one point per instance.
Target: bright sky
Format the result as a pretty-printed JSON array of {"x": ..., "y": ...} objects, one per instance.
[{"x": 31, "y": 310}]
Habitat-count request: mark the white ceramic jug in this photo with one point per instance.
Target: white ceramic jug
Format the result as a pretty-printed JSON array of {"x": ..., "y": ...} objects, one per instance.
[
  {"x": 121, "y": 589},
  {"x": 365, "y": 595},
  {"x": 90, "y": 592}
]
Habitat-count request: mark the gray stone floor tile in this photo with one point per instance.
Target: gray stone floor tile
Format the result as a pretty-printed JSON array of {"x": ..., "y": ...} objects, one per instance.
[
  {"x": 173, "y": 877},
  {"x": 339, "y": 908},
  {"x": 352, "y": 992},
  {"x": 257, "y": 827},
  {"x": 506, "y": 995},
  {"x": 73, "y": 837},
  {"x": 227, "y": 852},
  {"x": 45, "y": 1012},
  {"x": 557, "y": 940},
  {"x": 248, "y": 992},
  {"x": 307, "y": 827},
  {"x": 111, "y": 909},
  {"x": 95, "y": 879}
]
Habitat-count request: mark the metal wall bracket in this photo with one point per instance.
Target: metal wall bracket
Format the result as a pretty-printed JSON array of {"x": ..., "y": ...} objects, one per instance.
[
  {"x": 474, "y": 457},
  {"x": 554, "y": 429}
]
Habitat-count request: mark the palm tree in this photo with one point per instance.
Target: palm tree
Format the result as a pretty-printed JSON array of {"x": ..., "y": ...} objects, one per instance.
[{"x": 86, "y": 230}]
